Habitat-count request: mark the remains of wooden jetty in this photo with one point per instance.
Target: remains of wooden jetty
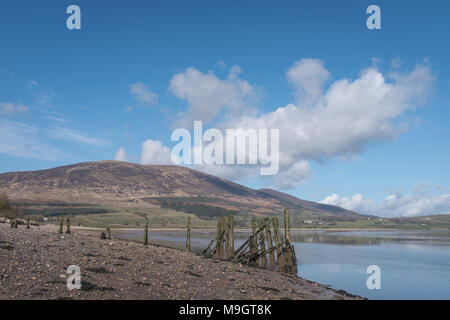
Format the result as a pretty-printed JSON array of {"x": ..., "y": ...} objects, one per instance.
[{"x": 257, "y": 247}]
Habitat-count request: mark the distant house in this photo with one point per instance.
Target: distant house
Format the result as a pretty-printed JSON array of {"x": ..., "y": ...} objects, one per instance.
[{"x": 308, "y": 222}]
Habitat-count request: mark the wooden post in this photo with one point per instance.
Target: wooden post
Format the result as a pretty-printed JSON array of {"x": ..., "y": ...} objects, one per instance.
[
  {"x": 262, "y": 245},
  {"x": 270, "y": 244},
  {"x": 287, "y": 231},
  {"x": 108, "y": 233},
  {"x": 68, "y": 226},
  {"x": 289, "y": 259},
  {"x": 146, "y": 232},
  {"x": 188, "y": 235},
  {"x": 231, "y": 237},
  {"x": 226, "y": 236},
  {"x": 254, "y": 243},
  {"x": 276, "y": 233},
  {"x": 28, "y": 222},
  {"x": 61, "y": 224},
  {"x": 218, "y": 237}
]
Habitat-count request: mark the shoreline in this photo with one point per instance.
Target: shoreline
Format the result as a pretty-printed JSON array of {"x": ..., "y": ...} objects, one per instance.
[
  {"x": 249, "y": 230},
  {"x": 33, "y": 265}
]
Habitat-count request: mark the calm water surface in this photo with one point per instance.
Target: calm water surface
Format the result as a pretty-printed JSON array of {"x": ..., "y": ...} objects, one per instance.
[{"x": 414, "y": 264}]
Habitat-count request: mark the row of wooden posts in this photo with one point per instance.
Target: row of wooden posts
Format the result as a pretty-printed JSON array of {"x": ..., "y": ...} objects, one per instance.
[
  {"x": 103, "y": 235},
  {"x": 265, "y": 241},
  {"x": 61, "y": 225},
  {"x": 260, "y": 244}
]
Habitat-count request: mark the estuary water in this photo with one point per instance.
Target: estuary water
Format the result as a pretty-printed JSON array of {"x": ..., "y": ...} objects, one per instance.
[{"x": 414, "y": 264}]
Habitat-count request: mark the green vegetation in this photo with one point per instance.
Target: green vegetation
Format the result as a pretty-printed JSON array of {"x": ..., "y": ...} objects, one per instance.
[{"x": 204, "y": 212}]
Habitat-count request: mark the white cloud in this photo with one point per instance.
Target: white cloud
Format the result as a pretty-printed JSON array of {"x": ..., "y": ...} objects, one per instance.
[
  {"x": 22, "y": 140},
  {"x": 207, "y": 95},
  {"x": 153, "y": 152},
  {"x": 338, "y": 120},
  {"x": 8, "y": 108},
  {"x": 60, "y": 133},
  {"x": 293, "y": 175},
  {"x": 308, "y": 77},
  {"x": 418, "y": 202},
  {"x": 345, "y": 119},
  {"x": 143, "y": 95},
  {"x": 121, "y": 155},
  {"x": 356, "y": 203}
]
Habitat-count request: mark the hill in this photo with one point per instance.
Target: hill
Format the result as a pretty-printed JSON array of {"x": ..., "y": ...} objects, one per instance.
[{"x": 120, "y": 190}]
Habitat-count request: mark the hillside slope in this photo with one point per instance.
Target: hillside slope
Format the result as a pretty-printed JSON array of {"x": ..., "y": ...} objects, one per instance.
[{"x": 116, "y": 184}]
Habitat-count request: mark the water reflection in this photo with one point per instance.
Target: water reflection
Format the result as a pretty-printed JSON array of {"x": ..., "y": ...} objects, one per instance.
[{"x": 414, "y": 264}]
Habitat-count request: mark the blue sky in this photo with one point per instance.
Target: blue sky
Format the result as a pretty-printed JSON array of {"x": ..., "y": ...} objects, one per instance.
[{"x": 68, "y": 96}]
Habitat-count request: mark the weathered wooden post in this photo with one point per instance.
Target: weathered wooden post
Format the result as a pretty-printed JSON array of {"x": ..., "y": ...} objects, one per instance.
[
  {"x": 254, "y": 244},
  {"x": 287, "y": 231},
  {"x": 188, "y": 235},
  {"x": 276, "y": 233},
  {"x": 218, "y": 238},
  {"x": 61, "y": 224},
  {"x": 270, "y": 244},
  {"x": 146, "y": 232},
  {"x": 226, "y": 237},
  {"x": 289, "y": 259},
  {"x": 108, "y": 233},
  {"x": 231, "y": 237},
  {"x": 68, "y": 226},
  {"x": 28, "y": 222},
  {"x": 262, "y": 244},
  {"x": 288, "y": 252}
]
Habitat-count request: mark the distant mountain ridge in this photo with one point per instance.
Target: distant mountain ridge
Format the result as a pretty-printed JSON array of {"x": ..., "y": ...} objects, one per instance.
[{"x": 126, "y": 184}]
